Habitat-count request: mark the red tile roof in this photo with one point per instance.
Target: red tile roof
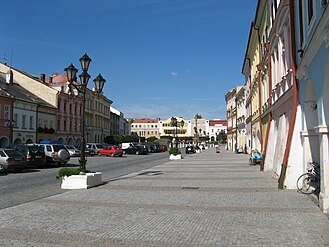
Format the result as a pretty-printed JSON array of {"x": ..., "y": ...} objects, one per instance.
[
  {"x": 145, "y": 120},
  {"x": 217, "y": 122}
]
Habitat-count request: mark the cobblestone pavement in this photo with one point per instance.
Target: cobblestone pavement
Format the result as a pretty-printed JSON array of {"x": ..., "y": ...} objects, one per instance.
[{"x": 206, "y": 199}]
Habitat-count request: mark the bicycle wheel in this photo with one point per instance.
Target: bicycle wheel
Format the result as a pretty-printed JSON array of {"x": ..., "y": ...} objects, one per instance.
[{"x": 307, "y": 183}]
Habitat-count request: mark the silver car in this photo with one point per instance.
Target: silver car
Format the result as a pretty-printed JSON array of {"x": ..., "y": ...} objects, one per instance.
[
  {"x": 56, "y": 154},
  {"x": 73, "y": 151},
  {"x": 11, "y": 160}
]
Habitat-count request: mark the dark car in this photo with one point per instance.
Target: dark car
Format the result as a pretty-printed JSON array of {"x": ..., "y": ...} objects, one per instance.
[
  {"x": 150, "y": 148},
  {"x": 35, "y": 155},
  {"x": 136, "y": 149},
  {"x": 190, "y": 150},
  {"x": 157, "y": 148},
  {"x": 11, "y": 160}
]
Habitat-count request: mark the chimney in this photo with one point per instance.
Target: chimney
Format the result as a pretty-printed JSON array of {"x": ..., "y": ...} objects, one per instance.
[
  {"x": 9, "y": 77},
  {"x": 50, "y": 80},
  {"x": 43, "y": 77}
]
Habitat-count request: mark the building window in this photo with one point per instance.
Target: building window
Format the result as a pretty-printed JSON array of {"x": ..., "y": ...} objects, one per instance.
[
  {"x": 58, "y": 124},
  {"x": 45, "y": 123},
  {"x": 23, "y": 121},
  {"x": 7, "y": 112},
  {"x": 301, "y": 23},
  {"x": 31, "y": 122},
  {"x": 64, "y": 125},
  {"x": 64, "y": 107},
  {"x": 310, "y": 10},
  {"x": 15, "y": 120}
]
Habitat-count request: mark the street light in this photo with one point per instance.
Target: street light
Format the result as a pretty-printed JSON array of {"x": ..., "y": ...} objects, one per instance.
[
  {"x": 99, "y": 81},
  {"x": 175, "y": 123}
]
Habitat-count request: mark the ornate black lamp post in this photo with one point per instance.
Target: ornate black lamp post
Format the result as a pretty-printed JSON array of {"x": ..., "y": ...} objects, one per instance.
[
  {"x": 99, "y": 81},
  {"x": 175, "y": 123}
]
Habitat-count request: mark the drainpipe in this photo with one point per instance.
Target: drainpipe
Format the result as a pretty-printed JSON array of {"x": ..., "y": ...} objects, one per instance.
[
  {"x": 250, "y": 95},
  {"x": 259, "y": 67},
  {"x": 295, "y": 100},
  {"x": 269, "y": 117},
  {"x": 236, "y": 124}
]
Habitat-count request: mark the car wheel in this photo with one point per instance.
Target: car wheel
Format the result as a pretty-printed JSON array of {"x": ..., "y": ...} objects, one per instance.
[
  {"x": 137, "y": 152},
  {"x": 63, "y": 154},
  {"x": 18, "y": 169}
]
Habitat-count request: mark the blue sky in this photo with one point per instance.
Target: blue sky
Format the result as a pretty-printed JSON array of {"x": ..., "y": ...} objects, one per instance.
[{"x": 161, "y": 58}]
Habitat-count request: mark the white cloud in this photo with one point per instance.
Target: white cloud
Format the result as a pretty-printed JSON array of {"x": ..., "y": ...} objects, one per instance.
[{"x": 174, "y": 74}]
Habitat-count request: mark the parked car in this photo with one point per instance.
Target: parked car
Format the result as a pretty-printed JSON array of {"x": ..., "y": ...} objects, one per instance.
[
  {"x": 136, "y": 149},
  {"x": 34, "y": 155},
  {"x": 73, "y": 151},
  {"x": 163, "y": 148},
  {"x": 157, "y": 148},
  {"x": 113, "y": 151},
  {"x": 56, "y": 154},
  {"x": 150, "y": 148},
  {"x": 11, "y": 160},
  {"x": 94, "y": 147},
  {"x": 190, "y": 150},
  {"x": 89, "y": 152}
]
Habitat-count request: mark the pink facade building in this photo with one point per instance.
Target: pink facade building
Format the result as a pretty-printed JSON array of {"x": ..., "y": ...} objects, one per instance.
[{"x": 69, "y": 111}]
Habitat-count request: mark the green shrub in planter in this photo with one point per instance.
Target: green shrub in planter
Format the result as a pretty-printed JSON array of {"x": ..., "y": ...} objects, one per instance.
[
  {"x": 174, "y": 151},
  {"x": 67, "y": 172}
]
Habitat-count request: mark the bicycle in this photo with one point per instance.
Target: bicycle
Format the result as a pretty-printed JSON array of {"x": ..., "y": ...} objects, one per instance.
[{"x": 309, "y": 182}]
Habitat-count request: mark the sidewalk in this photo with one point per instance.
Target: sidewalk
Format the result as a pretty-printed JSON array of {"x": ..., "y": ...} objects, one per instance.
[{"x": 206, "y": 199}]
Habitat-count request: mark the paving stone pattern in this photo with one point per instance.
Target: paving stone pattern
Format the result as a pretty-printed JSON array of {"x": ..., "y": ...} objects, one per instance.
[{"x": 206, "y": 199}]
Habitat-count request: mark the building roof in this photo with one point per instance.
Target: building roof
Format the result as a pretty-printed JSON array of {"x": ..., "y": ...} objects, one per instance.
[
  {"x": 217, "y": 122},
  {"x": 20, "y": 93},
  {"x": 145, "y": 120},
  {"x": 57, "y": 78}
]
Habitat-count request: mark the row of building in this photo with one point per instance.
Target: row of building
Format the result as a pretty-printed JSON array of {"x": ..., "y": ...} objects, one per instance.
[
  {"x": 36, "y": 109},
  {"x": 282, "y": 109},
  {"x": 181, "y": 128},
  {"x": 42, "y": 109}
]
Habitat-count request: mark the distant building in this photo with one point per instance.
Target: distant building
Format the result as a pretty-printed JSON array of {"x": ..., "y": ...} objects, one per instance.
[
  {"x": 216, "y": 126},
  {"x": 119, "y": 125},
  {"x": 167, "y": 129},
  {"x": 145, "y": 127}
]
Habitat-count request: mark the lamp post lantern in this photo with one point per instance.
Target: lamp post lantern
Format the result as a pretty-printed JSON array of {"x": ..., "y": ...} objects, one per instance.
[
  {"x": 99, "y": 81},
  {"x": 175, "y": 123}
]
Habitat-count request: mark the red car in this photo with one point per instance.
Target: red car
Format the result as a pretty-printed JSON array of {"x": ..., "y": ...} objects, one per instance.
[
  {"x": 113, "y": 151},
  {"x": 163, "y": 148}
]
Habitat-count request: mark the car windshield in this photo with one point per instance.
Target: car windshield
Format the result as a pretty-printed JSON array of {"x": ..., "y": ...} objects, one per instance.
[
  {"x": 58, "y": 147},
  {"x": 35, "y": 149},
  {"x": 69, "y": 147},
  {"x": 99, "y": 146},
  {"x": 13, "y": 153}
]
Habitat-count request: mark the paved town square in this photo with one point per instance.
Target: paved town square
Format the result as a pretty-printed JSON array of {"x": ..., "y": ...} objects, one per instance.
[{"x": 205, "y": 199}]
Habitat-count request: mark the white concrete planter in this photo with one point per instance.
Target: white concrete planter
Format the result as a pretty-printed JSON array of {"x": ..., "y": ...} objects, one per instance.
[
  {"x": 175, "y": 157},
  {"x": 198, "y": 151},
  {"x": 85, "y": 181}
]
